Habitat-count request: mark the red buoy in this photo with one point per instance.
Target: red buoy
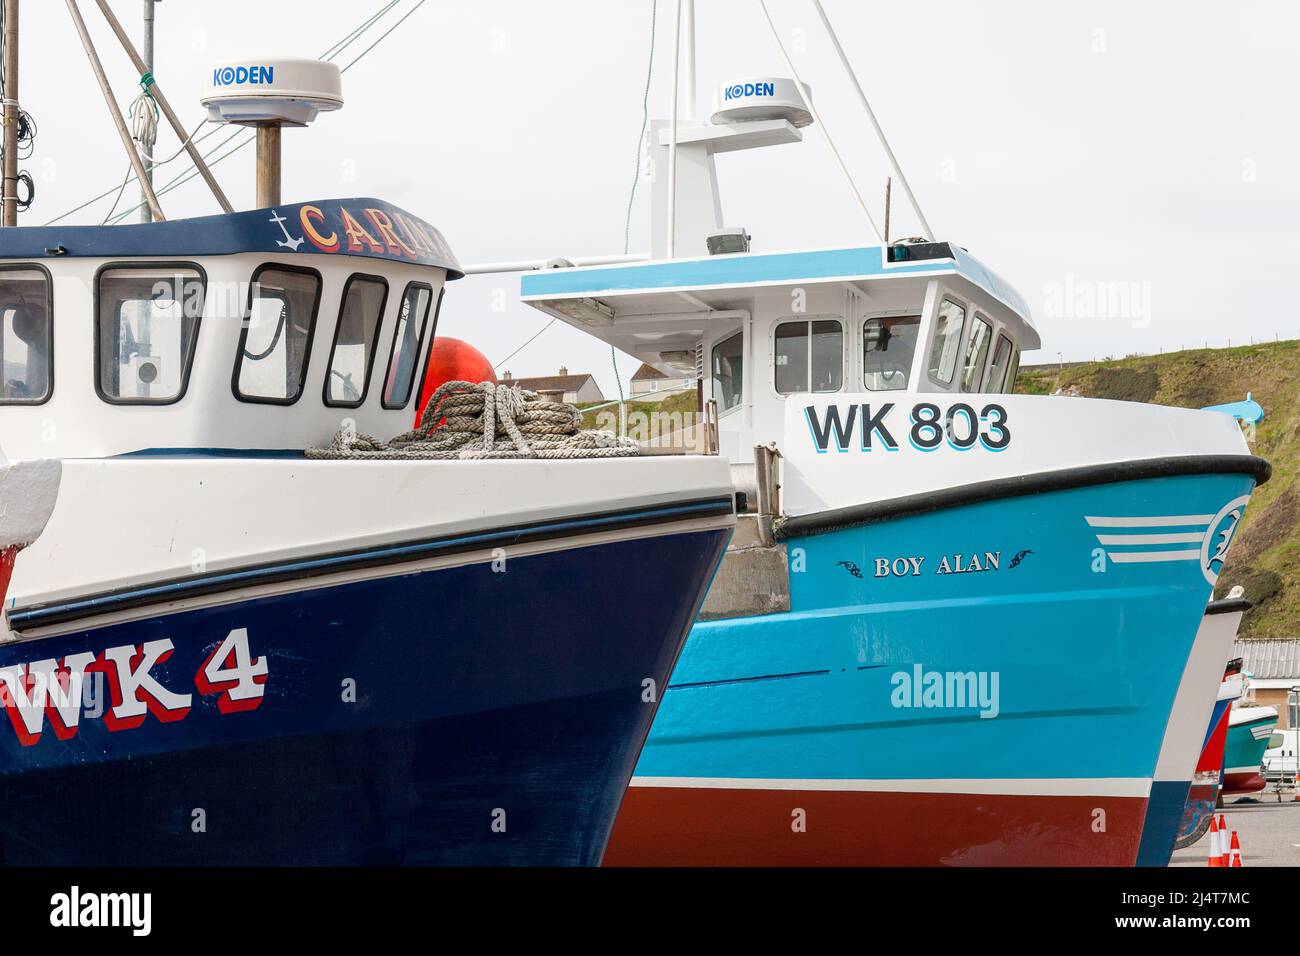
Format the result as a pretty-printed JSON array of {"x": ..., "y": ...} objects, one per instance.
[{"x": 451, "y": 360}]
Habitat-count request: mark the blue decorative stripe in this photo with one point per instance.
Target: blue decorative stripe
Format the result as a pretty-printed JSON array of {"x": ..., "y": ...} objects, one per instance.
[
  {"x": 857, "y": 262},
  {"x": 369, "y": 228},
  {"x": 354, "y": 560},
  {"x": 214, "y": 453},
  {"x": 720, "y": 271}
]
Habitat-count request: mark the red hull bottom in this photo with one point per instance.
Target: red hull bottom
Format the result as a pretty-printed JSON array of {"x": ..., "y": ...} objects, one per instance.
[
  {"x": 668, "y": 826},
  {"x": 1239, "y": 783}
]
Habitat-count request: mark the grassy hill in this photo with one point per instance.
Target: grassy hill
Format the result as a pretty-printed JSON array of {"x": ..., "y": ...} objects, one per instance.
[{"x": 1265, "y": 559}]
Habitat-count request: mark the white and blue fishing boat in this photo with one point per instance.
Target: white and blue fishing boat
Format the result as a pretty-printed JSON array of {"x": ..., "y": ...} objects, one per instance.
[
  {"x": 217, "y": 650},
  {"x": 1187, "y": 764},
  {"x": 955, "y": 620}
]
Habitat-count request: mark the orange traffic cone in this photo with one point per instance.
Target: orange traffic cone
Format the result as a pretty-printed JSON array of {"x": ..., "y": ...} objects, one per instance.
[
  {"x": 1234, "y": 851},
  {"x": 1223, "y": 842},
  {"x": 1216, "y": 851}
]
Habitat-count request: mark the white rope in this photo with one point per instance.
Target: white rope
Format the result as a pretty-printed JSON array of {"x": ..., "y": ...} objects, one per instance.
[
  {"x": 468, "y": 421},
  {"x": 871, "y": 115},
  {"x": 826, "y": 133}
]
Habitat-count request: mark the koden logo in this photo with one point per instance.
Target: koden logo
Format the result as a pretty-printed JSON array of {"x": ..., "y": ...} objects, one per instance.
[
  {"x": 240, "y": 75},
  {"x": 739, "y": 90}
]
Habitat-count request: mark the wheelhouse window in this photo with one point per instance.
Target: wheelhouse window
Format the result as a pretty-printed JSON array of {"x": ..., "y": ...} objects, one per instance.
[
  {"x": 888, "y": 345},
  {"x": 946, "y": 346},
  {"x": 276, "y": 340},
  {"x": 1001, "y": 361},
  {"x": 147, "y": 327},
  {"x": 355, "y": 340},
  {"x": 26, "y": 337},
  {"x": 1013, "y": 371},
  {"x": 809, "y": 356},
  {"x": 729, "y": 372},
  {"x": 977, "y": 353},
  {"x": 408, "y": 344}
]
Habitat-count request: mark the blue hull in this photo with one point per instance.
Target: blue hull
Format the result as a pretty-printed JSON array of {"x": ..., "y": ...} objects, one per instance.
[
  {"x": 1007, "y": 668},
  {"x": 496, "y": 719}
]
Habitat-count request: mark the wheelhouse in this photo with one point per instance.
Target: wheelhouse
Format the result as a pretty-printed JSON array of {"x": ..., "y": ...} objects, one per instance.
[
  {"x": 262, "y": 331},
  {"x": 756, "y": 328}
]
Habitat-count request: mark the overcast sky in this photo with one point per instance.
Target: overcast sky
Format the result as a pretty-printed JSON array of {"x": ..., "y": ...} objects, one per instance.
[{"x": 1075, "y": 147}]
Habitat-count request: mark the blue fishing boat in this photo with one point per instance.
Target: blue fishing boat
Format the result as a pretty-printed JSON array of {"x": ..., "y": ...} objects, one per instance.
[
  {"x": 955, "y": 621},
  {"x": 231, "y": 637}
]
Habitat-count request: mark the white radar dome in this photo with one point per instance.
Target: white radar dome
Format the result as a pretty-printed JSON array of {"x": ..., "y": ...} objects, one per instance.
[
  {"x": 766, "y": 98},
  {"x": 270, "y": 90}
]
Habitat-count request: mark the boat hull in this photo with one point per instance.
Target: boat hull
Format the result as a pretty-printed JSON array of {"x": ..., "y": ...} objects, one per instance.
[
  {"x": 487, "y": 712},
  {"x": 1185, "y": 773},
  {"x": 811, "y": 736},
  {"x": 1243, "y": 756}
]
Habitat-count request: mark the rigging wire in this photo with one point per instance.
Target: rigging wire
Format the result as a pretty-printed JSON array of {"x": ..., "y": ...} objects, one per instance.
[
  {"x": 149, "y": 164},
  {"x": 191, "y": 174},
  {"x": 525, "y": 345},
  {"x": 636, "y": 178},
  {"x": 329, "y": 54},
  {"x": 631, "y": 199},
  {"x": 812, "y": 109},
  {"x": 875, "y": 124}
]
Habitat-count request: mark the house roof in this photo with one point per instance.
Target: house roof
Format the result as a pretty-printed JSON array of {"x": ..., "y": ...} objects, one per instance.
[
  {"x": 1269, "y": 660},
  {"x": 552, "y": 383},
  {"x": 647, "y": 372}
]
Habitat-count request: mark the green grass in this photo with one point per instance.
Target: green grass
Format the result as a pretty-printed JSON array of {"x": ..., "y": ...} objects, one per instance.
[
  {"x": 1265, "y": 559},
  {"x": 681, "y": 403}
]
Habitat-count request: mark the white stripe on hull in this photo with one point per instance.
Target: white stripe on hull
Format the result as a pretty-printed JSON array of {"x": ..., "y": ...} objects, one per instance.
[
  {"x": 486, "y": 555},
  {"x": 1169, "y": 521},
  {"x": 1201, "y": 681},
  {"x": 1039, "y": 787},
  {"x": 1143, "y": 557},
  {"x": 1183, "y": 537}
]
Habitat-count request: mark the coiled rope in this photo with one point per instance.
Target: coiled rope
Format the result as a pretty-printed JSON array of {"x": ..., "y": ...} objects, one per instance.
[{"x": 466, "y": 421}]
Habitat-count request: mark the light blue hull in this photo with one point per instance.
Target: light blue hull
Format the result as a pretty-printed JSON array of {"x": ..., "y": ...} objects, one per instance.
[{"x": 1067, "y": 644}]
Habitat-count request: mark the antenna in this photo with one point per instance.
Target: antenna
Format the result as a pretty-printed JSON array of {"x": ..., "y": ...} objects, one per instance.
[
  {"x": 269, "y": 94},
  {"x": 888, "y": 183}
]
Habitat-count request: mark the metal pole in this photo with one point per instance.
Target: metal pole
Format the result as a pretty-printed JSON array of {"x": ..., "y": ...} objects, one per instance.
[
  {"x": 172, "y": 119},
  {"x": 817, "y": 119},
  {"x": 145, "y": 214},
  {"x": 689, "y": 15},
  {"x": 871, "y": 115},
  {"x": 268, "y": 166},
  {"x": 672, "y": 140},
  {"x": 120, "y": 123},
  {"x": 10, "y": 214}
]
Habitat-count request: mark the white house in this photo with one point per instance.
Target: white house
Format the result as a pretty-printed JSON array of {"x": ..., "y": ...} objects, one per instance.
[
  {"x": 651, "y": 385},
  {"x": 575, "y": 389}
]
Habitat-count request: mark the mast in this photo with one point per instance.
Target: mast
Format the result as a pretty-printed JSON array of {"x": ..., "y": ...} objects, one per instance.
[
  {"x": 146, "y": 214},
  {"x": 98, "y": 69},
  {"x": 145, "y": 68},
  {"x": 11, "y": 111}
]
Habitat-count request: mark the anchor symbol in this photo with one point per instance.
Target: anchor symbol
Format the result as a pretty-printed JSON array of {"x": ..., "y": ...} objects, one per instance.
[{"x": 289, "y": 242}]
